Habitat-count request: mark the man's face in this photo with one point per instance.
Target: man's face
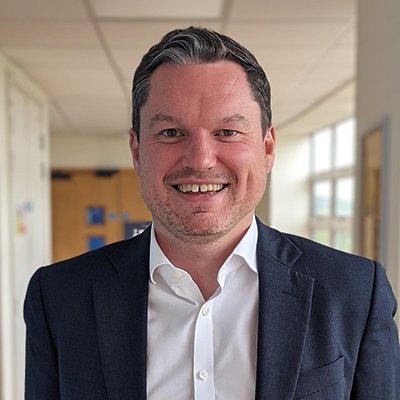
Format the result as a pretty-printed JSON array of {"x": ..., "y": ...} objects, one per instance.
[{"x": 202, "y": 158}]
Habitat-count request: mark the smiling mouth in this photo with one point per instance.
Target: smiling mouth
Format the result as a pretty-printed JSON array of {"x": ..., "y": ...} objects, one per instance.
[{"x": 200, "y": 188}]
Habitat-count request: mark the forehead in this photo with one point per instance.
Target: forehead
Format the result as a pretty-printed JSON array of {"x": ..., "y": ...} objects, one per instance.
[
  {"x": 209, "y": 77},
  {"x": 215, "y": 87}
]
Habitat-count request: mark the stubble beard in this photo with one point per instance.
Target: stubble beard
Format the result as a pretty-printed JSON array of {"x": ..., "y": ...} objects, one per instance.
[{"x": 200, "y": 227}]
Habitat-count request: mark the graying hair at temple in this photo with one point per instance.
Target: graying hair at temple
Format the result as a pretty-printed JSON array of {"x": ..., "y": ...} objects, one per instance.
[{"x": 199, "y": 46}]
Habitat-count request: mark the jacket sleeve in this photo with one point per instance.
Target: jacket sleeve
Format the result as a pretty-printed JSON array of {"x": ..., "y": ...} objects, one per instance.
[
  {"x": 41, "y": 373},
  {"x": 377, "y": 374}
]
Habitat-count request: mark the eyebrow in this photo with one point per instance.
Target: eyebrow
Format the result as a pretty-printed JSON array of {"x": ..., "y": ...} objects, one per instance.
[
  {"x": 160, "y": 117},
  {"x": 235, "y": 118}
]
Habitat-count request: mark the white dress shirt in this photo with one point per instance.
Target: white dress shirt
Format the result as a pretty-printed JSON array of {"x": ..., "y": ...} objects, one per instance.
[{"x": 199, "y": 349}]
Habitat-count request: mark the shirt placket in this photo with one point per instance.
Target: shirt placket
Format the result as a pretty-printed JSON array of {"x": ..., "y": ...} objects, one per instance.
[{"x": 203, "y": 357}]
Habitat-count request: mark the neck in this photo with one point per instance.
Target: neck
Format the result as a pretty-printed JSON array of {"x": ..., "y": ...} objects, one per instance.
[{"x": 201, "y": 260}]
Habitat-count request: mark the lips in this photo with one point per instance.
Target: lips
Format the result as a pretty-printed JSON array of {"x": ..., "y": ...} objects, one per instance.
[{"x": 200, "y": 188}]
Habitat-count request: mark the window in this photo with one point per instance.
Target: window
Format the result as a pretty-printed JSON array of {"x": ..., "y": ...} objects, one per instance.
[{"x": 333, "y": 185}]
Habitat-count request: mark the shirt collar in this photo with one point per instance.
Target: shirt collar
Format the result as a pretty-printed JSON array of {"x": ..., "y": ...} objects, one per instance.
[
  {"x": 246, "y": 249},
  {"x": 157, "y": 256}
]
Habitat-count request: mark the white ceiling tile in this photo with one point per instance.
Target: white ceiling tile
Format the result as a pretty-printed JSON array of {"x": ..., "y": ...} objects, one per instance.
[
  {"x": 302, "y": 45},
  {"x": 154, "y": 9},
  {"x": 333, "y": 74},
  {"x": 308, "y": 96},
  {"x": 283, "y": 112},
  {"x": 58, "y": 57},
  {"x": 72, "y": 83},
  {"x": 284, "y": 35},
  {"x": 292, "y": 9},
  {"x": 42, "y": 9},
  {"x": 281, "y": 77},
  {"x": 142, "y": 35},
  {"x": 339, "y": 106},
  {"x": 282, "y": 57},
  {"x": 350, "y": 41},
  {"x": 127, "y": 60},
  {"x": 57, "y": 121},
  {"x": 100, "y": 116},
  {"x": 326, "y": 115},
  {"x": 340, "y": 57},
  {"x": 47, "y": 33},
  {"x": 128, "y": 85},
  {"x": 311, "y": 90}
]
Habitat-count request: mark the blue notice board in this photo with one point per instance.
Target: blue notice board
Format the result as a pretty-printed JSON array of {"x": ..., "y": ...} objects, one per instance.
[{"x": 95, "y": 242}]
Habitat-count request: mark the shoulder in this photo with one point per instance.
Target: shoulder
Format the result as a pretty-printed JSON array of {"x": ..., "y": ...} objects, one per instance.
[
  {"x": 321, "y": 260},
  {"x": 316, "y": 257},
  {"x": 344, "y": 281},
  {"x": 334, "y": 272},
  {"x": 66, "y": 287},
  {"x": 95, "y": 265},
  {"x": 316, "y": 253}
]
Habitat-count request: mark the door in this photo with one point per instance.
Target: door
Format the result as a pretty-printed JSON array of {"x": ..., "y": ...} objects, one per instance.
[{"x": 92, "y": 208}]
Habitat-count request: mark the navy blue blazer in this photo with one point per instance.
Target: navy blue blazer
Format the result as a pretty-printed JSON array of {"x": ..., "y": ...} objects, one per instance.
[{"x": 326, "y": 328}]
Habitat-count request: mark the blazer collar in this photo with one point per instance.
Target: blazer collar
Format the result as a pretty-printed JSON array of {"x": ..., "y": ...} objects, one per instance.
[{"x": 284, "y": 311}]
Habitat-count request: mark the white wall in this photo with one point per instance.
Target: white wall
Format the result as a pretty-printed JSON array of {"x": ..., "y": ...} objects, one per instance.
[
  {"x": 24, "y": 211},
  {"x": 76, "y": 151},
  {"x": 5, "y": 273},
  {"x": 289, "y": 208},
  {"x": 378, "y": 97}
]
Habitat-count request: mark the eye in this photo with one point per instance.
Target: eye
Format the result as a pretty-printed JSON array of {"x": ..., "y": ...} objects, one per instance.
[
  {"x": 171, "y": 133},
  {"x": 228, "y": 132}
]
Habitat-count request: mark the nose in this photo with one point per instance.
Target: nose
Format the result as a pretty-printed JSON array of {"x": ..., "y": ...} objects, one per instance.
[{"x": 200, "y": 152}]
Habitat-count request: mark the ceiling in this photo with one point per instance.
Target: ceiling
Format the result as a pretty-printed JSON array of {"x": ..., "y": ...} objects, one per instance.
[{"x": 83, "y": 52}]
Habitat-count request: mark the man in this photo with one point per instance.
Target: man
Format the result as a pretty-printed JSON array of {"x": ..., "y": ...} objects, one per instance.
[{"x": 209, "y": 303}]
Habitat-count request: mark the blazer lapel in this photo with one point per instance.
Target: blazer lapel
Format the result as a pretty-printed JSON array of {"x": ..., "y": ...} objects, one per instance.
[
  {"x": 121, "y": 315},
  {"x": 284, "y": 313}
]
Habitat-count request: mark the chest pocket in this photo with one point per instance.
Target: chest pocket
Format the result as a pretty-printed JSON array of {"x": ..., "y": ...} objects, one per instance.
[{"x": 324, "y": 383}]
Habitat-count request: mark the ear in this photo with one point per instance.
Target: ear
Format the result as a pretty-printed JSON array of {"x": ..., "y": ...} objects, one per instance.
[
  {"x": 134, "y": 146},
  {"x": 269, "y": 146}
]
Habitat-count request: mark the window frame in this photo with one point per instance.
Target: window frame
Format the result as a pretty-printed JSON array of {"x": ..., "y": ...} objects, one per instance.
[{"x": 332, "y": 223}]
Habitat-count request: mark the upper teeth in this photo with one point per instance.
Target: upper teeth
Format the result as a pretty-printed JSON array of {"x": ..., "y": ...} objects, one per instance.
[{"x": 210, "y": 187}]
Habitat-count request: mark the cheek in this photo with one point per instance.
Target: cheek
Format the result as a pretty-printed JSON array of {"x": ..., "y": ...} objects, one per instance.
[
  {"x": 250, "y": 174},
  {"x": 250, "y": 162},
  {"x": 154, "y": 165},
  {"x": 258, "y": 167}
]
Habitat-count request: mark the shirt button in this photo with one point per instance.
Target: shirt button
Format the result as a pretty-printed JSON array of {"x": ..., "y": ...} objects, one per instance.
[
  {"x": 177, "y": 275},
  {"x": 203, "y": 375},
  {"x": 205, "y": 311}
]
